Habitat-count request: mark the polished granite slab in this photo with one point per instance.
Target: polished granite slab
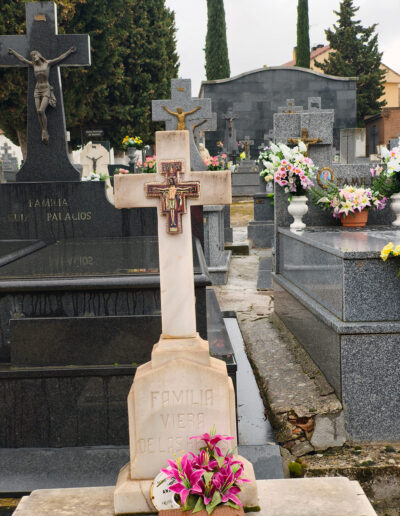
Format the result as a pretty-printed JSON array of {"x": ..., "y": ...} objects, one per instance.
[
  {"x": 342, "y": 270},
  {"x": 348, "y": 243}
]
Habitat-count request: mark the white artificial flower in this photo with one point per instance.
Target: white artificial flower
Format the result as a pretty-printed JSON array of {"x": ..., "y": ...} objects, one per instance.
[
  {"x": 274, "y": 148},
  {"x": 302, "y": 146},
  {"x": 385, "y": 153}
]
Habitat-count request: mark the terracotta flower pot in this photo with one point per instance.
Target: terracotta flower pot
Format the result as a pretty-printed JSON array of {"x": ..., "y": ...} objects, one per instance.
[
  {"x": 221, "y": 510},
  {"x": 354, "y": 220}
]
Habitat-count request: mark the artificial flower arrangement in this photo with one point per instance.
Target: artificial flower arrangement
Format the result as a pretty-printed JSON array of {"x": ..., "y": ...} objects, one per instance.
[
  {"x": 288, "y": 167},
  {"x": 390, "y": 250},
  {"x": 207, "y": 480},
  {"x": 149, "y": 166},
  {"x": 217, "y": 162},
  {"x": 386, "y": 175},
  {"x": 347, "y": 200},
  {"x": 133, "y": 141}
]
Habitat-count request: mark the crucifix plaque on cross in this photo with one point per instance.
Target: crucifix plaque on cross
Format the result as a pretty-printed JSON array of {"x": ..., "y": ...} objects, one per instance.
[
  {"x": 42, "y": 50},
  {"x": 182, "y": 112},
  {"x": 305, "y": 139},
  {"x": 173, "y": 190}
]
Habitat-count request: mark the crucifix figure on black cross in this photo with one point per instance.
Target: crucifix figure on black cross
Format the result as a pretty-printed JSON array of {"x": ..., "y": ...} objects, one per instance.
[{"x": 43, "y": 50}]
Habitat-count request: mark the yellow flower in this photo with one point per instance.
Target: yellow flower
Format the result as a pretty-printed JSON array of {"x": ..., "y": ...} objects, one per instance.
[
  {"x": 386, "y": 251},
  {"x": 396, "y": 251},
  {"x": 242, "y": 155}
]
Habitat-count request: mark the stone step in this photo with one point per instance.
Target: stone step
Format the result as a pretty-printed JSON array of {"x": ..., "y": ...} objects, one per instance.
[
  {"x": 303, "y": 497},
  {"x": 239, "y": 248}
]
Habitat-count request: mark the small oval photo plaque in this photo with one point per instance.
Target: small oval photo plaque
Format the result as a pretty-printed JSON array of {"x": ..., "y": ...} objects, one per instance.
[{"x": 161, "y": 497}]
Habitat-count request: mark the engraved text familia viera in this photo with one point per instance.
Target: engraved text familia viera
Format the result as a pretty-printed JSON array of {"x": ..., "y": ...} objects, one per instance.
[{"x": 192, "y": 398}]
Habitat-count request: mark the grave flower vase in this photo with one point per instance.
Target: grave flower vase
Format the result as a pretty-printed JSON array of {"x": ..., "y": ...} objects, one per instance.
[
  {"x": 221, "y": 510},
  {"x": 297, "y": 209},
  {"x": 395, "y": 206},
  {"x": 354, "y": 220}
]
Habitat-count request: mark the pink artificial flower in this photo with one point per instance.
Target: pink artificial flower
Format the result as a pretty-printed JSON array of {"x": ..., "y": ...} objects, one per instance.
[
  {"x": 187, "y": 478},
  {"x": 212, "y": 440},
  {"x": 224, "y": 156},
  {"x": 123, "y": 171}
]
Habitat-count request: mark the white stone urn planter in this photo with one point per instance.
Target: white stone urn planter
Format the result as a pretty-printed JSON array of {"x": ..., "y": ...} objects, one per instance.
[
  {"x": 395, "y": 206},
  {"x": 297, "y": 209}
]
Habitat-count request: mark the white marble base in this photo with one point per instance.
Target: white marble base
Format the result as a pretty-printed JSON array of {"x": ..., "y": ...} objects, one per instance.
[
  {"x": 134, "y": 495},
  {"x": 302, "y": 497}
]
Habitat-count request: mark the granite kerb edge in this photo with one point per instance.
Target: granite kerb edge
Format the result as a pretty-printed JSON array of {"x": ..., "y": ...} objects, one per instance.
[{"x": 333, "y": 322}]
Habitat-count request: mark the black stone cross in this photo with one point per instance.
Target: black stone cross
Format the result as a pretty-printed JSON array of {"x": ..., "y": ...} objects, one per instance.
[{"x": 45, "y": 161}]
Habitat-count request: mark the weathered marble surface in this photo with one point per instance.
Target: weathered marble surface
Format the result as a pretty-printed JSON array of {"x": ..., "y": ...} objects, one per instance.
[{"x": 311, "y": 496}]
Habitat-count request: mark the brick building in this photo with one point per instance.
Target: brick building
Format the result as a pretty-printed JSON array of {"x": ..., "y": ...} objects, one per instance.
[{"x": 382, "y": 127}]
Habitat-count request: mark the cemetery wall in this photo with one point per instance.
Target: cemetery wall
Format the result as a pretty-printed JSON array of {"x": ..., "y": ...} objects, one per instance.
[{"x": 256, "y": 95}]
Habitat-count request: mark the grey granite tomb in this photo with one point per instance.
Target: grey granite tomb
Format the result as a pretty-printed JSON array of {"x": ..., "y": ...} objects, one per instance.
[
  {"x": 261, "y": 230},
  {"x": 328, "y": 284},
  {"x": 214, "y": 250},
  {"x": 256, "y": 95}
]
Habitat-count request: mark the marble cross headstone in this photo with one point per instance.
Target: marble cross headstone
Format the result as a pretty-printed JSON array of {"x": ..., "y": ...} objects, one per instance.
[
  {"x": 169, "y": 191},
  {"x": 183, "y": 391},
  {"x": 290, "y": 107},
  {"x": 94, "y": 158},
  {"x": 45, "y": 161},
  {"x": 182, "y": 112}
]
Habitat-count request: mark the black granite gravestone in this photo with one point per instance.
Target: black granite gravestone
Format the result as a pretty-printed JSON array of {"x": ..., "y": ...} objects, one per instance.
[{"x": 45, "y": 161}]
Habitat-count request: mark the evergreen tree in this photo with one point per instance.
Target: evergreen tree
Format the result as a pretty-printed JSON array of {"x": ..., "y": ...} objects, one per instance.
[
  {"x": 133, "y": 61},
  {"x": 355, "y": 54},
  {"x": 217, "y": 59},
  {"x": 303, "y": 37}
]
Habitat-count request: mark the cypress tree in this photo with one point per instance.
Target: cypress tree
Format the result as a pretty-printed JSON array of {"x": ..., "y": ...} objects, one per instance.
[
  {"x": 355, "y": 54},
  {"x": 217, "y": 59},
  {"x": 133, "y": 61},
  {"x": 303, "y": 37}
]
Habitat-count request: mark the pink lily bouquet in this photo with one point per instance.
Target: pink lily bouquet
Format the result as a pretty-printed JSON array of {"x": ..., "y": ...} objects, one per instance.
[
  {"x": 349, "y": 200},
  {"x": 287, "y": 167},
  {"x": 207, "y": 480},
  {"x": 217, "y": 162}
]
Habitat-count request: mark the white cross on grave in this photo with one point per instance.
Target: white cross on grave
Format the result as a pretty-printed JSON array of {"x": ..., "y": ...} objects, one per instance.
[
  {"x": 183, "y": 391},
  {"x": 172, "y": 190}
]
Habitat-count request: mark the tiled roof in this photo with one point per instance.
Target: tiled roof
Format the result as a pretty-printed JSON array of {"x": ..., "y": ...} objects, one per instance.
[{"x": 313, "y": 54}]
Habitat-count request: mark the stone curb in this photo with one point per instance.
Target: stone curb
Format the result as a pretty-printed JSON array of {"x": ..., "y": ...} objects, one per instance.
[{"x": 302, "y": 407}]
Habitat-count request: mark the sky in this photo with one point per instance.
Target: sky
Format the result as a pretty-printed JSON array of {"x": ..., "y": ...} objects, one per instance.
[{"x": 263, "y": 32}]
